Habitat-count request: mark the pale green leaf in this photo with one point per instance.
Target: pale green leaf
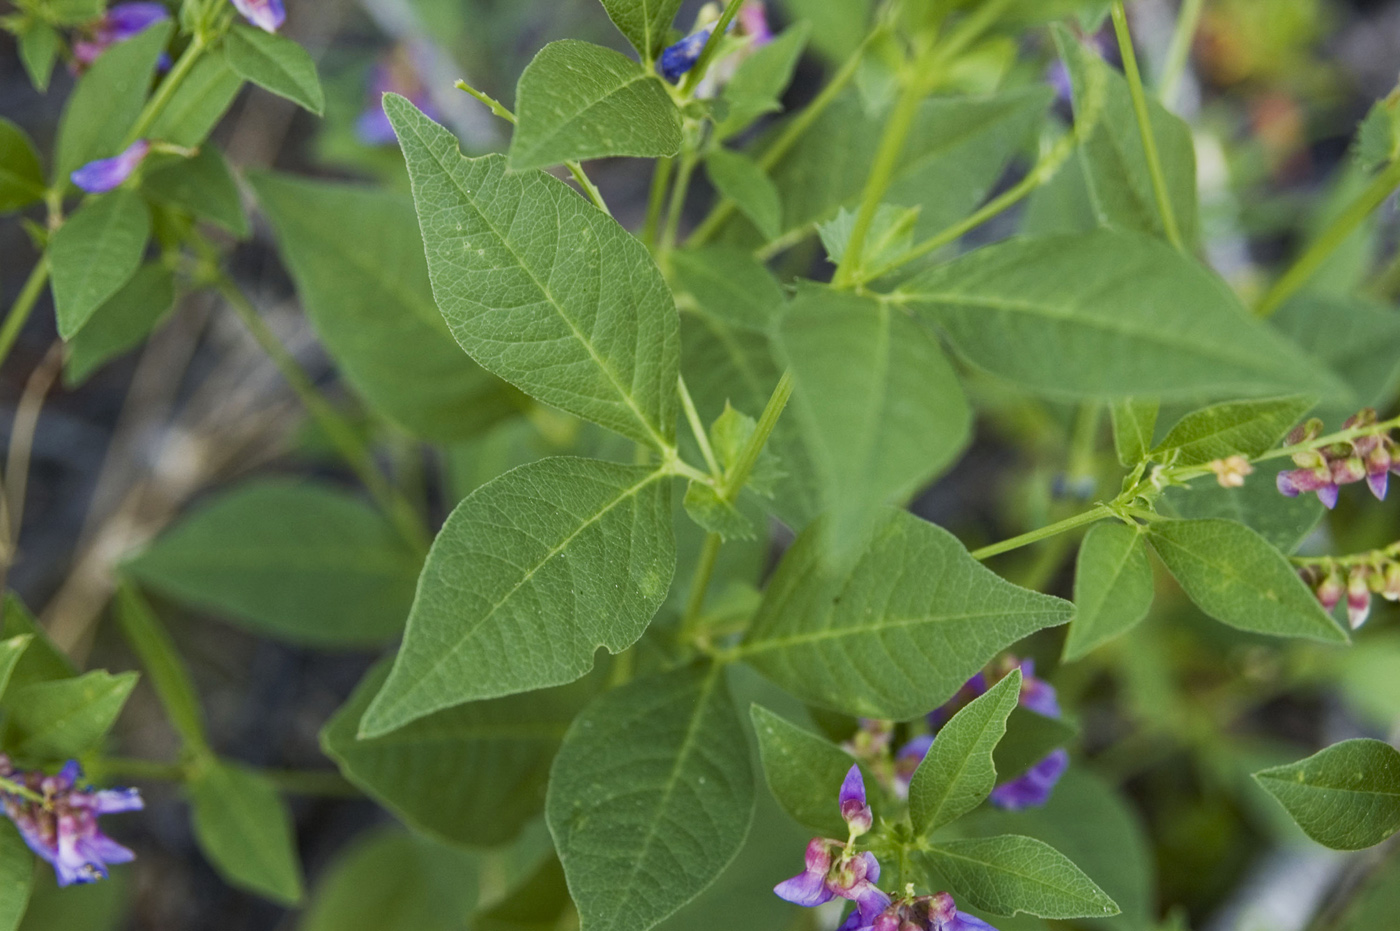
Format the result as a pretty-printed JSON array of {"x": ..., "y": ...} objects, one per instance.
[
  {"x": 730, "y": 285},
  {"x": 709, "y": 510},
  {"x": 21, "y": 177},
  {"x": 162, "y": 662},
  {"x": 650, "y": 798},
  {"x": 72, "y": 12},
  {"x": 1378, "y": 136},
  {"x": 65, "y": 718},
  {"x": 245, "y": 830},
  {"x": 957, "y": 773},
  {"x": 1235, "y": 576},
  {"x": 102, "y": 906},
  {"x": 94, "y": 253},
  {"x": 645, "y": 23},
  {"x": 1237, "y": 428},
  {"x": 275, "y": 63},
  {"x": 11, "y": 652},
  {"x": 838, "y": 26},
  {"x": 1358, "y": 340},
  {"x": 41, "y": 661},
  {"x": 198, "y": 103},
  {"x": 758, "y": 83},
  {"x": 1134, "y": 425},
  {"x": 472, "y": 775},
  {"x": 894, "y": 631},
  {"x": 203, "y": 185},
  {"x": 1009, "y": 874},
  {"x": 804, "y": 771},
  {"x": 542, "y": 288},
  {"x": 1107, "y": 314},
  {"x": 107, "y": 100},
  {"x": 531, "y": 574},
  {"x": 1112, "y": 587},
  {"x": 890, "y": 235},
  {"x": 121, "y": 323},
  {"x": 577, "y": 101},
  {"x": 16, "y": 876},
  {"x": 1345, "y": 797},
  {"x": 38, "y": 49},
  {"x": 303, "y": 562},
  {"x": 739, "y": 178},
  {"x": 371, "y": 304}
]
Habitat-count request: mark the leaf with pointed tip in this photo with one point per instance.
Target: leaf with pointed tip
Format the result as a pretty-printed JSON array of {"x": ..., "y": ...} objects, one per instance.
[
  {"x": 245, "y": 830},
  {"x": 1238, "y": 428},
  {"x": 1008, "y": 874},
  {"x": 758, "y": 83},
  {"x": 650, "y": 797},
  {"x": 803, "y": 771},
  {"x": 645, "y": 23},
  {"x": 1346, "y": 797},
  {"x": 529, "y": 577},
  {"x": 21, "y": 177},
  {"x": 1134, "y": 424},
  {"x": 739, "y": 178},
  {"x": 541, "y": 287},
  {"x": 94, "y": 253},
  {"x": 1112, "y": 587},
  {"x": 67, "y": 717},
  {"x": 957, "y": 773},
  {"x": 41, "y": 661},
  {"x": 1235, "y": 576},
  {"x": 203, "y": 185},
  {"x": 122, "y": 322},
  {"x": 198, "y": 103},
  {"x": 893, "y": 630},
  {"x": 275, "y": 63},
  {"x": 38, "y": 49},
  {"x": 577, "y": 101}
]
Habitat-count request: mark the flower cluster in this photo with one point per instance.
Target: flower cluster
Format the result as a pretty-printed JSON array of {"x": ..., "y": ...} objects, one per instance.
[
  {"x": 1356, "y": 581},
  {"x": 1371, "y": 457},
  {"x": 59, "y": 821},
  {"x": 267, "y": 15},
  {"x": 118, "y": 24},
  {"x": 924, "y": 913}
]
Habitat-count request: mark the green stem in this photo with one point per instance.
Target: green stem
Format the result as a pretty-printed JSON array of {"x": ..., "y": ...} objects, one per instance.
[
  {"x": 1380, "y": 188},
  {"x": 23, "y": 307},
  {"x": 1098, "y": 513},
  {"x": 10, "y": 787},
  {"x": 166, "y": 92},
  {"x": 341, "y": 434},
  {"x": 748, "y": 456},
  {"x": 697, "y": 427},
  {"x": 1180, "y": 50},
  {"x": 656, "y": 201},
  {"x": 1144, "y": 121},
  {"x": 494, "y": 105},
  {"x": 700, "y": 584},
  {"x": 677, "y": 205},
  {"x": 707, "y": 54}
]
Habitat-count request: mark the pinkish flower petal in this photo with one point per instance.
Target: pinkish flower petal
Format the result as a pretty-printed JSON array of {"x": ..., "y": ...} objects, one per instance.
[
  {"x": 267, "y": 15},
  {"x": 1328, "y": 495},
  {"x": 807, "y": 889}
]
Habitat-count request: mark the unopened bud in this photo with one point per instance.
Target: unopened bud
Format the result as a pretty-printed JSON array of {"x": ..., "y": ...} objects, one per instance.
[
  {"x": 1231, "y": 472},
  {"x": 1348, "y": 470},
  {"x": 1305, "y": 432},
  {"x": 1330, "y": 590},
  {"x": 1391, "y": 589},
  {"x": 1358, "y": 596}
]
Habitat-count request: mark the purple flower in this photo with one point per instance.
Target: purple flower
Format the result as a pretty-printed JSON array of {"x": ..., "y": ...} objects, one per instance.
[
  {"x": 1037, "y": 694},
  {"x": 920, "y": 913},
  {"x": 907, "y": 761},
  {"x": 1033, "y": 789},
  {"x": 854, "y": 811},
  {"x": 1297, "y": 481},
  {"x": 753, "y": 22},
  {"x": 62, "y": 828},
  {"x": 107, "y": 174},
  {"x": 827, "y": 875},
  {"x": 394, "y": 74},
  {"x": 267, "y": 15},
  {"x": 677, "y": 59},
  {"x": 120, "y": 23}
]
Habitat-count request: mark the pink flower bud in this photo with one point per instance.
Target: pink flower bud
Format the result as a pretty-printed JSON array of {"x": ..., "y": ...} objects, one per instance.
[
  {"x": 1330, "y": 590},
  {"x": 1358, "y": 596}
]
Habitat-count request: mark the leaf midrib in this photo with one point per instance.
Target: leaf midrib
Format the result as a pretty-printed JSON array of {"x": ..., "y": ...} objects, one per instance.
[{"x": 832, "y": 633}]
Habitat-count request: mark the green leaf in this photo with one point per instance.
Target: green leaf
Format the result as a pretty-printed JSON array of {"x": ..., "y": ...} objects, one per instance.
[
  {"x": 42, "y": 661},
  {"x": 577, "y": 101},
  {"x": 275, "y": 63},
  {"x": 472, "y": 775},
  {"x": 1113, "y": 587},
  {"x": 1113, "y": 161},
  {"x": 759, "y": 81},
  {"x": 1155, "y": 323},
  {"x": 1243, "y": 428},
  {"x": 650, "y": 798},
  {"x": 198, "y": 103},
  {"x": 11, "y": 652},
  {"x": 121, "y": 323},
  {"x": 1030, "y": 737},
  {"x": 1235, "y": 576},
  {"x": 538, "y": 904},
  {"x": 1134, "y": 424},
  {"x": 876, "y": 413},
  {"x": 838, "y": 26},
  {"x": 107, "y": 100},
  {"x": 21, "y": 177},
  {"x": 16, "y": 876},
  {"x": 574, "y": 312},
  {"x": 392, "y": 881},
  {"x": 645, "y": 23},
  {"x": 804, "y": 771},
  {"x": 1378, "y": 136},
  {"x": 895, "y": 630},
  {"x": 99, "y": 906},
  {"x": 739, "y": 178},
  {"x": 531, "y": 574},
  {"x": 957, "y": 773},
  {"x": 371, "y": 304},
  {"x": 730, "y": 285},
  {"x": 162, "y": 662},
  {"x": 72, "y": 12},
  {"x": 1009, "y": 874},
  {"x": 890, "y": 236},
  {"x": 1359, "y": 341},
  {"x": 707, "y": 509},
  {"x": 1346, "y": 797},
  {"x": 203, "y": 185},
  {"x": 1283, "y": 522},
  {"x": 38, "y": 49},
  {"x": 94, "y": 253},
  {"x": 63, "y": 719},
  {"x": 244, "y": 829},
  {"x": 303, "y": 562}
]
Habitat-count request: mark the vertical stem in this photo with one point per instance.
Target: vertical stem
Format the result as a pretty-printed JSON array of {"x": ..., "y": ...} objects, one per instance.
[
  {"x": 748, "y": 456},
  {"x": 697, "y": 427},
  {"x": 677, "y": 206},
  {"x": 1144, "y": 121},
  {"x": 700, "y": 584},
  {"x": 660, "y": 179},
  {"x": 163, "y": 95},
  {"x": 1180, "y": 50},
  {"x": 707, "y": 54},
  {"x": 23, "y": 307},
  {"x": 590, "y": 190},
  {"x": 1381, "y": 187}
]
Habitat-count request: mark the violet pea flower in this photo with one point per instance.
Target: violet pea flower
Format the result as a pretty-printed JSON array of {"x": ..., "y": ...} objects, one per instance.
[
  {"x": 1032, "y": 789},
  {"x": 677, "y": 59},
  {"x": 854, "y": 810},
  {"x": 107, "y": 174},
  {"x": 121, "y": 22},
  {"x": 267, "y": 15}
]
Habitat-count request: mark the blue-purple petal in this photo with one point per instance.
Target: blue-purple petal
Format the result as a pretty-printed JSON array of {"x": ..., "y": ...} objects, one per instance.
[
  {"x": 1034, "y": 788},
  {"x": 267, "y": 15},
  {"x": 108, "y": 174},
  {"x": 807, "y": 889}
]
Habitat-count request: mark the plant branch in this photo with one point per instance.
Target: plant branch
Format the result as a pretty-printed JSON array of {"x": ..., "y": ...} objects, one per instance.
[
  {"x": 697, "y": 427},
  {"x": 23, "y": 306},
  {"x": 748, "y": 456},
  {"x": 1180, "y": 49},
  {"x": 1098, "y": 513},
  {"x": 166, "y": 92}
]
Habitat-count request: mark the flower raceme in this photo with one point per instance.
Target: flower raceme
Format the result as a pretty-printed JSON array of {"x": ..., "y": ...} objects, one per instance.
[
  {"x": 267, "y": 15},
  {"x": 1376, "y": 574},
  {"x": 118, "y": 24},
  {"x": 1323, "y": 471},
  {"x": 923, "y": 913},
  {"x": 59, "y": 821}
]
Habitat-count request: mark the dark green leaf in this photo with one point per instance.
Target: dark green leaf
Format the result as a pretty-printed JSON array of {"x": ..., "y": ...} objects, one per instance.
[
  {"x": 95, "y": 253},
  {"x": 122, "y": 322},
  {"x": 1134, "y": 424},
  {"x": 198, "y": 104},
  {"x": 1235, "y": 576},
  {"x": 65, "y": 718},
  {"x": 73, "y": 12},
  {"x": 957, "y": 773},
  {"x": 577, "y": 101},
  {"x": 11, "y": 652},
  {"x": 575, "y": 313},
  {"x": 650, "y": 798},
  {"x": 893, "y": 632},
  {"x": 804, "y": 771},
  {"x": 303, "y": 562},
  {"x": 1010, "y": 874},
  {"x": 1358, "y": 340},
  {"x": 1112, "y": 587},
  {"x": 275, "y": 63},
  {"x": 202, "y": 185},
  {"x": 645, "y": 23},
  {"x": 739, "y": 178},
  {"x": 245, "y": 830},
  {"x": 707, "y": 509},
  {"x": 531, "y": 574},
  {"x": 1238, "y": 428},
  {"x": 21, "y": 177},
  {"x": 41, "y": 661},
  {"x": 538, "y": 904},
  {"x": 1345, "y": 797}
]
